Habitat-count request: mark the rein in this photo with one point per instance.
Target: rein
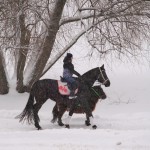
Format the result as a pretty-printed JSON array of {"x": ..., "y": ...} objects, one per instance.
[
  {"x": 96, "y": 92},
  {"x": 101, "y": 72}
]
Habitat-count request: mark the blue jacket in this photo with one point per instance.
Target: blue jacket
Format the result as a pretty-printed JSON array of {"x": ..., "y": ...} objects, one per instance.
[{"x": 69, "y": 70}]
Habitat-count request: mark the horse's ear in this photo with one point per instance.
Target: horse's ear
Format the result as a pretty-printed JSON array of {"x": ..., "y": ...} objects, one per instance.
[{"x": 102, "y": 66}]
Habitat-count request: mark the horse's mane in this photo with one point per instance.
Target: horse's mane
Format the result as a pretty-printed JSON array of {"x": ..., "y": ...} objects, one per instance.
[{"x": 89, "y": 71}]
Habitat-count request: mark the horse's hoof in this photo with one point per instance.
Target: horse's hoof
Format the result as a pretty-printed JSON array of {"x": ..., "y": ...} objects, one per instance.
[
  {"x": 67, "y": 126},
  {"x": 60, "y": 123},
  {"x": 94, "y": 126},
  {"x": 87, "y": 123},
  {"x": 53, "y": 120},
  {"x": 39, "y": 128}
]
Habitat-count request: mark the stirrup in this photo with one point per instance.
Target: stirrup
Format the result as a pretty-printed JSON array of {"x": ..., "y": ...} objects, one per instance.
[{"x": 72, "y": 97}]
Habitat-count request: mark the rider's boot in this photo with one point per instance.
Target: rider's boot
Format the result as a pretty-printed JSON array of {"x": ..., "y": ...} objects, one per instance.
[
  {"x": 72, "y": 91},
  {"x": 72, "y": 94}
]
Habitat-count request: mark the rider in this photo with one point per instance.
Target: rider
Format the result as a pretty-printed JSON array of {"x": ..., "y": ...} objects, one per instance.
[{"x": 68, "y": 71}]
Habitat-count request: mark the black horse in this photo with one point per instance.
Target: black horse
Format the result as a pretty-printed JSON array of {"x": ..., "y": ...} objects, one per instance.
[
  {"x": 44, "y": 89},
  {"x": 96, "y": 93}
]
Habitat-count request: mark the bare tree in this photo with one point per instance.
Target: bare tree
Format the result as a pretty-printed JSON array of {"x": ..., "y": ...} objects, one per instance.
[
  {"x": 110, "y": 27},
  {"x": 39, "y": 32},
  {"x": 3, "y": 79}
]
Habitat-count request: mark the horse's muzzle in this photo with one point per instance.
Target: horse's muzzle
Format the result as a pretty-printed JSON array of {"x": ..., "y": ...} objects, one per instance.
[
  {"x": 103, "y": 96},
  {"x": 107, "y": 84}
]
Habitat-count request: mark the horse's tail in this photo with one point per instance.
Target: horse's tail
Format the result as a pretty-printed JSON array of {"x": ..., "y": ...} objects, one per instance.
[{"x": 28, "y": 114}]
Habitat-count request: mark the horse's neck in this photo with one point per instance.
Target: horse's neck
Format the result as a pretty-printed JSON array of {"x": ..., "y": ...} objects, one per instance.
[
  {"x": 94, "y": 97},
  {"x": 93, "y": 101},
  {"x": 90, "y": 77},
  {"x": 90, "y": 82}
]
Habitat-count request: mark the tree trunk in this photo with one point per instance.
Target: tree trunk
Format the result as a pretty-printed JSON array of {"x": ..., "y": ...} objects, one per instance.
[
  {"x": 24, "y": 43},
  {"x": 49, "y": 42},
  {"x": 4, "y": 89}
]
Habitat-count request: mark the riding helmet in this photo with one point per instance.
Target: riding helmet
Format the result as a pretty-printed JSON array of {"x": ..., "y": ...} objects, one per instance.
[{"x": 68, "y": 57}]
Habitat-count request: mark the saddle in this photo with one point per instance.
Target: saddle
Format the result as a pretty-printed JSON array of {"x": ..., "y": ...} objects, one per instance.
[{"x": 63, "y": 87}]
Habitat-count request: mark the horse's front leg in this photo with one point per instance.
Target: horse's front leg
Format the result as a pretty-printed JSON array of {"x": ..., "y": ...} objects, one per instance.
[
  {"x": 87, "y": 110},
  {"x": 94, "y": 126},
  {"x": 87, "y": 121}
]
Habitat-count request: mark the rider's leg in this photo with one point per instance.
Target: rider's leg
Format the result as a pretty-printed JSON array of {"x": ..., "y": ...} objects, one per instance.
[{"x": 72, "y": 87}]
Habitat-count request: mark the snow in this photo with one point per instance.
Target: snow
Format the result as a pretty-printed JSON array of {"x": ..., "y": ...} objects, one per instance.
[{"x": 123, "y": 119}]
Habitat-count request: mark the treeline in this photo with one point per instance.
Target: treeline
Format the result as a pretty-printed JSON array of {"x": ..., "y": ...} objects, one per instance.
[{"x": 34, "y": 34}]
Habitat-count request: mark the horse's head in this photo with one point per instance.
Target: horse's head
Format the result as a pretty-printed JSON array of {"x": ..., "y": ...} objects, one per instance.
[
  {"x": 92, "y": 75},
  {"x": 102, "y": 77}
]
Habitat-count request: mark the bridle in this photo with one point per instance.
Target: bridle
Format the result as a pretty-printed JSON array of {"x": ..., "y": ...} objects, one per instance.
[{"x": 101, "y": 73}]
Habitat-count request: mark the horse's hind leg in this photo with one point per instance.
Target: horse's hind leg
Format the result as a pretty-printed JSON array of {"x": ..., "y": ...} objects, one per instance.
[
  {"x": 37, "y": 107},
  {"x": 55, "y": 113},
  {"x": 62, "y": 109},
  {"x": 72, "y": 109}
]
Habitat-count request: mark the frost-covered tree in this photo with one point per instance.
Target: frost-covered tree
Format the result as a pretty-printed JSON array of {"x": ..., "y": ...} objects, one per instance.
[
  {"x": 3, "y": 79},
  {"x": 36, "y": 33}
]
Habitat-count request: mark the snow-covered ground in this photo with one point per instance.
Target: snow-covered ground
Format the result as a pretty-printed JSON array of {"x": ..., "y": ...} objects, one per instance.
[{"x": 123, "y": 119}]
